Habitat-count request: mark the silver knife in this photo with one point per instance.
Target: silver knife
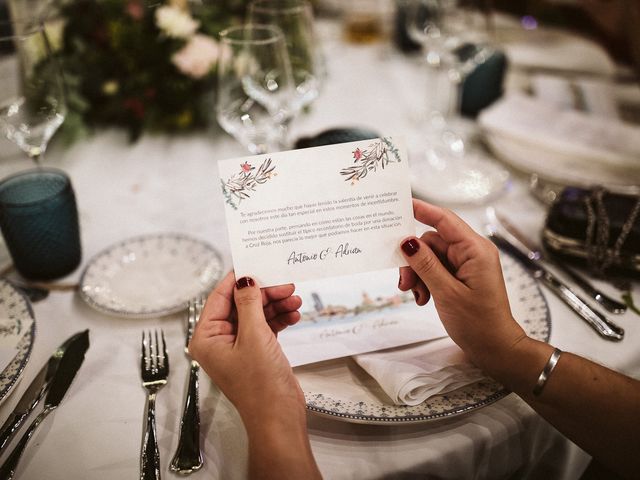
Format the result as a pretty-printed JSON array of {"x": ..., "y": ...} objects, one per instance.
[
  {"x": 534, "y": 253},
  {"x": 601, "y": 324},
  {"x": 70, "y": 359},
  {"x": 32, "y": 396}
]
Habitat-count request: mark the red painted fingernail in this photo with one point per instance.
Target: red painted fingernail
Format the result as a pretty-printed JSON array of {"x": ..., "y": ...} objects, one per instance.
[
  {"x": 245, "y": 282},
  {"x": 416, "y": 295},
  {"x": 399, "y": 280},
  {"x": 410, "y": 247}
]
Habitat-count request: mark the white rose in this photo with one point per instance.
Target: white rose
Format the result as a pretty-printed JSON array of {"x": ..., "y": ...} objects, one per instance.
[
  {"x": 175, "y": 22},
  {"x": 197, "y": 57}
]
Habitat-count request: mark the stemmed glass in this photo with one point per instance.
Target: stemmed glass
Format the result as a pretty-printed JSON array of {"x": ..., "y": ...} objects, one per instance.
[
  {"x": 32, "y": 97},
  {"x": 455, "y": 46},
  {"x": 295, "y": 19},
  {"x": 255, "y": 88}
]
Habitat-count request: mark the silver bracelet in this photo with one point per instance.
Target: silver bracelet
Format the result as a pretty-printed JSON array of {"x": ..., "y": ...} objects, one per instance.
[{"x": 546, "y": 371}]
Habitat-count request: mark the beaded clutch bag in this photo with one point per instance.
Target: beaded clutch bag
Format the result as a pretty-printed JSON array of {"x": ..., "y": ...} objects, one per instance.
[{"x": 595, "y": 227}]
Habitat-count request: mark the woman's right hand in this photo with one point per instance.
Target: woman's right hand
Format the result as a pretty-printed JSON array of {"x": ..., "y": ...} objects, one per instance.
[{"x": 461, "y": 270}]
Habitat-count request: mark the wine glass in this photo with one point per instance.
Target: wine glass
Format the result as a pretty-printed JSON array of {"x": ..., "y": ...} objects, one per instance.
[
  {"x": 295, "y": 19},
  {"x": 454, "y": 44},
  {"x": 32, "y": 97},
  {"x": 255, "y": 88}
]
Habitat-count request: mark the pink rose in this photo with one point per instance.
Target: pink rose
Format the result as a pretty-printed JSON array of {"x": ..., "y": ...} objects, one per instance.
[
  {"x": 135, "y": 9},
  {"x": 357, "y": 154},
  {"x": 197, "y": 57}
]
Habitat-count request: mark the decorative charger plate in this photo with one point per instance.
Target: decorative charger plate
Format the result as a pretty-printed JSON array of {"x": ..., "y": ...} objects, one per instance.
[
  {"x": 340, "y": 389},
  {"x": 150, "y": 275},
  {"x": 18, "y": 318}
]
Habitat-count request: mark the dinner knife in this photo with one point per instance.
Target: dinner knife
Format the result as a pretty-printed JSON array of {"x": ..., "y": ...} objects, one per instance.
[
  {"x": 70, "y": 359},
  {"x": 534, "y": 253},
  {"x": 34, "y": 393},
  {"x": 601, "y": 324}
]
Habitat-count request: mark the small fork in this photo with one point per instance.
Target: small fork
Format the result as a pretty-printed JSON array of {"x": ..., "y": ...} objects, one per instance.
[
  {"x": 188, "y": 456},
  {"x": 154, "y": 368}
]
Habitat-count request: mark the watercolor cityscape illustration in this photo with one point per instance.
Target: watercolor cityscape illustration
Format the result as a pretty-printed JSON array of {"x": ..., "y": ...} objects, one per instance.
[{"x": 322, "y": 312}]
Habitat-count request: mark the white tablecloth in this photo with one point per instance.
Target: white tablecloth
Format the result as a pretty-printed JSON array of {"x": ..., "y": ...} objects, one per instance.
[{"x": 163, "y": 184}]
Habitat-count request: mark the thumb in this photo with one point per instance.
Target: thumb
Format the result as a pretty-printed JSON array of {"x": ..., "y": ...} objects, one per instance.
[
  {"x": 427, "y": 266},
  {"x": 248, "y": 300}
]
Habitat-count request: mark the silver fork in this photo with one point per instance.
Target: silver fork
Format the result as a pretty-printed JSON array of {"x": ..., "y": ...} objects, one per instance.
[
  {"x": 154, "y": 367},
  {"x": 188, "y": 456}
]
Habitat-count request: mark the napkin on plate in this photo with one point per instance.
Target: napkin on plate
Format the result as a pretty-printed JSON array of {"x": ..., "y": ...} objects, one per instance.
[
  {"x": 412, "y": 374},
  {"x": 567, "y": 145},
  {"x": 551, "y": 49},
  {"x": 595, "y": 96}
]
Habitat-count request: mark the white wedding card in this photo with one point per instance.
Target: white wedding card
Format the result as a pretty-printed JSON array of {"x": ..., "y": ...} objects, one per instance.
[{"x": 318, "y": 212}]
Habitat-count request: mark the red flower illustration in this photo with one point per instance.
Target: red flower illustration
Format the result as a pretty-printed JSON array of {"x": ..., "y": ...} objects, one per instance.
[
  {"x": 357, "y": 154},
  {"x": 246, "y": 167}
]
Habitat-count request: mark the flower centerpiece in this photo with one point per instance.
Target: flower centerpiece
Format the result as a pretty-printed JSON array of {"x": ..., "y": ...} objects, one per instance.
[{"x": 145, "y": 66}]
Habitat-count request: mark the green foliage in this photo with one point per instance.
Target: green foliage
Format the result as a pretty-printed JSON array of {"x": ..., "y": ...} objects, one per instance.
[{"x": 118, "y": 68}]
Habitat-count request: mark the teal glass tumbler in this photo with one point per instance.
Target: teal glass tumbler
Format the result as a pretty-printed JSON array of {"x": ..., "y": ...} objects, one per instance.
[{"x": 39, "y": 222}]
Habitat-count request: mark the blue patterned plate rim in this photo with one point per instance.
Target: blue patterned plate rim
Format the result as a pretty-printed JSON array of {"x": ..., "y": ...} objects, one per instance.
[{"x": 13, "y": 371}]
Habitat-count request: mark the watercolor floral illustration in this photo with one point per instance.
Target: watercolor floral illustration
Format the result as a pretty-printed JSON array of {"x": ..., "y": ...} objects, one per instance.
[
  {"x": 241, "y": 184},
  {"x": 376, "y": 156}
]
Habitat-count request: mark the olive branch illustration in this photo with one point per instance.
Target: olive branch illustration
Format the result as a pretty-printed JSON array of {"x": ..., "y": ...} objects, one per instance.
[
  {"x": 377, "y": 155},
  {"x": 241, "y": 184}
]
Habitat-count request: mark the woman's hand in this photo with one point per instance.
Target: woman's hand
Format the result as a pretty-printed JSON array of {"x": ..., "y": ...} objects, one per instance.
[
  {"x": 235, "y": 342},
  {"x": 461, "y": 270}
]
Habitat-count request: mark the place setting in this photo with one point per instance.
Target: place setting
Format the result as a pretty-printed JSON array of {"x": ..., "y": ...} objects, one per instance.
[{"x": 161, "y": 145}]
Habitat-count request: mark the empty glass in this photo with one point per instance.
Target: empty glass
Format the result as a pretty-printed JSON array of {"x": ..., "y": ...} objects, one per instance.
[
  {"x": 255, "y": 89},
  {"x": 295, "y": 20},
  {"x": 32, "y": 103},
  {"x": 39, "y": 222},
  {"x": 454, "y": 43}
]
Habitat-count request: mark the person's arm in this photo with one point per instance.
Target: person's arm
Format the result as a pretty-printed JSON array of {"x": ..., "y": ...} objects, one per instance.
[
  {"x": 597, "y": 408},
  {"x": 235, "y": 343},
  {"x": 594, "y": 406},
  {"x": 279, "y": 443}
]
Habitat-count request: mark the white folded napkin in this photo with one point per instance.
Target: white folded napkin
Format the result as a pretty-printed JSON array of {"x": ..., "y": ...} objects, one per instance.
[
  {"x": 594, "y": 96},
  {"x": 569, "y": 145},
  {"x": 412, "y": 374},
  {"x": 553, "y": 49}
]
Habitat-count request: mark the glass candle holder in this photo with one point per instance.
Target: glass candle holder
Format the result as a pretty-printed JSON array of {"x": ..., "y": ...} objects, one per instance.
[{"x": 39, "y": 222}]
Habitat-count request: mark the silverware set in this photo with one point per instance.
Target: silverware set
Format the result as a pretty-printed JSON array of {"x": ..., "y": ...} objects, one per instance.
[
  {"x": 50, "y": 384},
  {"x": 509, "y": 239},
  {"x": 534, "y": 252},
  {"x": 154, "y": 370},
  {"x": 54, "y": 379}
]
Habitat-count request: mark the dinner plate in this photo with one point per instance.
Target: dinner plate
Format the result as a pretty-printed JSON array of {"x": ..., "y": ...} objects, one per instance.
[
  {"x": 341, "y": 390},
  {"x": 15, "y": 308},
  {"x": 150, "y": 275}
]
